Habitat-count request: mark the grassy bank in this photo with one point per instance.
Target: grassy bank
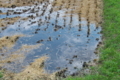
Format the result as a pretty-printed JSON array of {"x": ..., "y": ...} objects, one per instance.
[{"x": 109, "y": 69}]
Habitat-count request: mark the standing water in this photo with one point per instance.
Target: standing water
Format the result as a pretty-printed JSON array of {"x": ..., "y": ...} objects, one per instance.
[{"x": 65, "y": 31}]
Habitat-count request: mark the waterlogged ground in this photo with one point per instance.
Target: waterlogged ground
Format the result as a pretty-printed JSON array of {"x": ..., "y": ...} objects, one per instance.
[{"x": 66, "y": 33}]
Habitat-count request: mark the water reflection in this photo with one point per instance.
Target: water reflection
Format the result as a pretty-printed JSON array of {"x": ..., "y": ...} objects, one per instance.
[{"x": 68, "y": 42}]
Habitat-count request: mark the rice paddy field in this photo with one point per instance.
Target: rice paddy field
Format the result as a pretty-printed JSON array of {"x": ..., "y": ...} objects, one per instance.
[
  {"x": 109, "y": 67},
  {"x": 59, "y": 40}
]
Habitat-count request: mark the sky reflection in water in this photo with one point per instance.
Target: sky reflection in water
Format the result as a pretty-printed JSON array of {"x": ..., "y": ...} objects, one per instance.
[{"x": 61, "y": 44}]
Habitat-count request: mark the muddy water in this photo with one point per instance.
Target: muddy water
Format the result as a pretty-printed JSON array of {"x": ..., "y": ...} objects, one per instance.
[{"x": 66, "y": 39}]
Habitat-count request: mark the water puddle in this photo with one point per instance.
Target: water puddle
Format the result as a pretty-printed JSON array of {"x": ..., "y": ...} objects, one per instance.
[{"x": 68, "y": 39}]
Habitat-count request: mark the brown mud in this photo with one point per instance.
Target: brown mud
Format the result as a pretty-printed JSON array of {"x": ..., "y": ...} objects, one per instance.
[
  {"x": 2, "y": 13},
  {"x": 19, "y": 54},
  {"x": 10, "y": 58},
  {"x": 35, "y": 71},
  {"x": 89, "y": 10},
  {"x": 4, "y": 22},
  {"x": 8, "y": 21},
  {"x": 6, "y": 43},
  {"x": 32, "y": 72},
  {"x": 9, "y": 41},
  {"x": 18, "y": 3}
]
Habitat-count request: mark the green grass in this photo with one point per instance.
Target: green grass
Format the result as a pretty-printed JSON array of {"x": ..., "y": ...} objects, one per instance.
[
  {"x": 109, "y": 69},
  {"x": 1, "y": 74}
]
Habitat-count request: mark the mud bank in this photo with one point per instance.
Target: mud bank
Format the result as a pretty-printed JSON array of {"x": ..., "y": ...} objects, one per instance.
[
  {"x": 89, "y": 10},
  {"x": 18, "y": 3},
  {"x": 10, "y": 21},
  {"x": 9, "y": 41},
  {"x": 35, "y": 71}
]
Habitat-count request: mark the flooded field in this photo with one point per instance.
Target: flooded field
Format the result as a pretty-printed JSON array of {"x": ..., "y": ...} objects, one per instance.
[{"x": 49, "y": 36}]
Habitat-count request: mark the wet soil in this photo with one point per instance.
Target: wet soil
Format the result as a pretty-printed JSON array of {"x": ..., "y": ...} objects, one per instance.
[
  {"x": 18, "y": 3},
  {"x": 89, "y": 10},
  {"x": 66, "y": 33},
  {"x": 8, "y": 21}
]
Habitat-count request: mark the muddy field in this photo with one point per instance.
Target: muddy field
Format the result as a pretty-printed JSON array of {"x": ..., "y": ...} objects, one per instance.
[{"x": 49, "y": 38}]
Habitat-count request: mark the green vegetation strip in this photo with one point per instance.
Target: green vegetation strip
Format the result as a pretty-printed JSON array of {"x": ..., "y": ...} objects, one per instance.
[
  {"x": 109, "y": 69},
  {"x": 1, "y": 74}
]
